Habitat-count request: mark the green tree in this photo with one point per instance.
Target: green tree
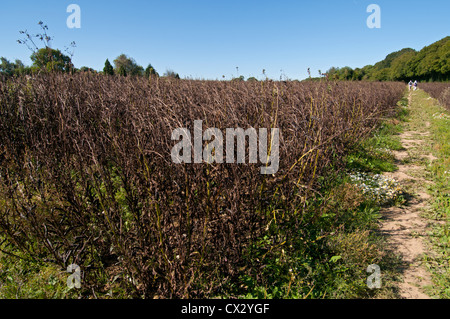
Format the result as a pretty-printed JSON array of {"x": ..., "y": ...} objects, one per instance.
[
  {"x": 366, "y": 71},
  {"x": 13, "y": 68},
  {"x": 390, "y": 58},
  {"x": 108, "y": 69},
  {"x": 172, "y": 74},
  {"x": 6, "y": 67},
  {"x": 333, "y": 73},
  {"x": 87, "y": 69},
  {"x": 129, "y": 64},
  {"x": 380, "y": 75},
  {"x": 45, "y": 58},
  {"x": 240, "y": 78},
  {"x": 149, "y": 71},
  {"x": 401, "y": 68},
  {"x": 51, "y": 60},
  {"x": 444, "y": 54},
  {"x": 433, "y": 61},
  {"x": 122, "y": 71},
  {"x": 357, "y": 74},
  {"x": 346, "y": 73}
]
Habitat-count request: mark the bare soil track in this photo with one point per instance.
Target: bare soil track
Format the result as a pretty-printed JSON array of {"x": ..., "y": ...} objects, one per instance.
[{"x": 404, "y": 227}]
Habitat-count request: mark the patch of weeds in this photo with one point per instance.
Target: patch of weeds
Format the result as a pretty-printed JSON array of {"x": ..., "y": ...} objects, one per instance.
[
  {"x": 380, "y": 189},
  {"x": 375, "y": 155},
  {"x": 27, "y": 279},
  {"x": 328, "y": 258}
]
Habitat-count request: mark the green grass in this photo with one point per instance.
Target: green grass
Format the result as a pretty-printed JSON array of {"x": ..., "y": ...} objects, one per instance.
[
  {"x": 27, "y": 279},
  {"x": 374, "y": 154},
  {"x": 439, "y": 173}
]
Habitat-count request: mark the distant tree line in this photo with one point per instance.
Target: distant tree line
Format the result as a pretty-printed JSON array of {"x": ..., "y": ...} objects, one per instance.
[
  {"x": 52, "y": 60},
  {"x": 46, "y": 59},
  {"x": 430, "y": 64}
]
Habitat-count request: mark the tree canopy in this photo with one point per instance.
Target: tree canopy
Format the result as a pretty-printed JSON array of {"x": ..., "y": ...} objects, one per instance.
[
  {"x": 108, "y": 69},
  {"x": 171, "y": 74},
  {"x": 51, "y": 60},
  {"x": 11, "y": 68},
  {"x": 150, "y": 70},
  {"x": 128, "y": 64},
  {"x": 432, "y": 63}
]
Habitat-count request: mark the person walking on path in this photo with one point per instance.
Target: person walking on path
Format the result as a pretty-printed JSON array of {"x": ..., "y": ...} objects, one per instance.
[
  {"x": 410, "y": 85},
  {"x": 415, "y": 85}
]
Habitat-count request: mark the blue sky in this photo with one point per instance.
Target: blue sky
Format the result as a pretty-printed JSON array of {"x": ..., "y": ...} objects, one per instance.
[{"x": 208, "y": 39}]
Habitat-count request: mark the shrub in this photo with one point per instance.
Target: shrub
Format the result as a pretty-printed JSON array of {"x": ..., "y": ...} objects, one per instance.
[
  {"x": 439, "y": 91},
  {"x": 87, "y": 176}
]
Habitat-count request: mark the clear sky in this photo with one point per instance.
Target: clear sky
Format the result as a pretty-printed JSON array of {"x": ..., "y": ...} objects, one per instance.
[{"x": 210, "y": 38}]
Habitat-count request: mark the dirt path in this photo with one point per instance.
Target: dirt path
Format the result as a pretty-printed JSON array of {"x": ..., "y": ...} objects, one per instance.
[{"x": 404, "y": 227}]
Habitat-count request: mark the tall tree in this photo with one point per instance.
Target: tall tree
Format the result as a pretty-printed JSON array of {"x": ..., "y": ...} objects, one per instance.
[
  {"x": 108, "y": 69},
  {"x": 46, "y": 58},
  {"x": 172, "y": 74},
  {"x": 51, "y": 60},
  {"x": 13, "y": 68},
  {"x": 129, "y": 64},
  {"x": 150, "y": 70},
  {"x": 122, "y": 71},
  {"x": 432, "y": 63},
  {"x": 6, "y": 67}
]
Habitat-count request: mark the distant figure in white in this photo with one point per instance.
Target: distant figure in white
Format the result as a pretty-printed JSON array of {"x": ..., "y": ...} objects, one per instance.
[
  {"x": 415, "y": 85},
  {"x": 410, "y": 85}
]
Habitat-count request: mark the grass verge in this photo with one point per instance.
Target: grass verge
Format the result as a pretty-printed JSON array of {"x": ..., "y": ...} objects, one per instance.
[{"x": 438, "y": 172}]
